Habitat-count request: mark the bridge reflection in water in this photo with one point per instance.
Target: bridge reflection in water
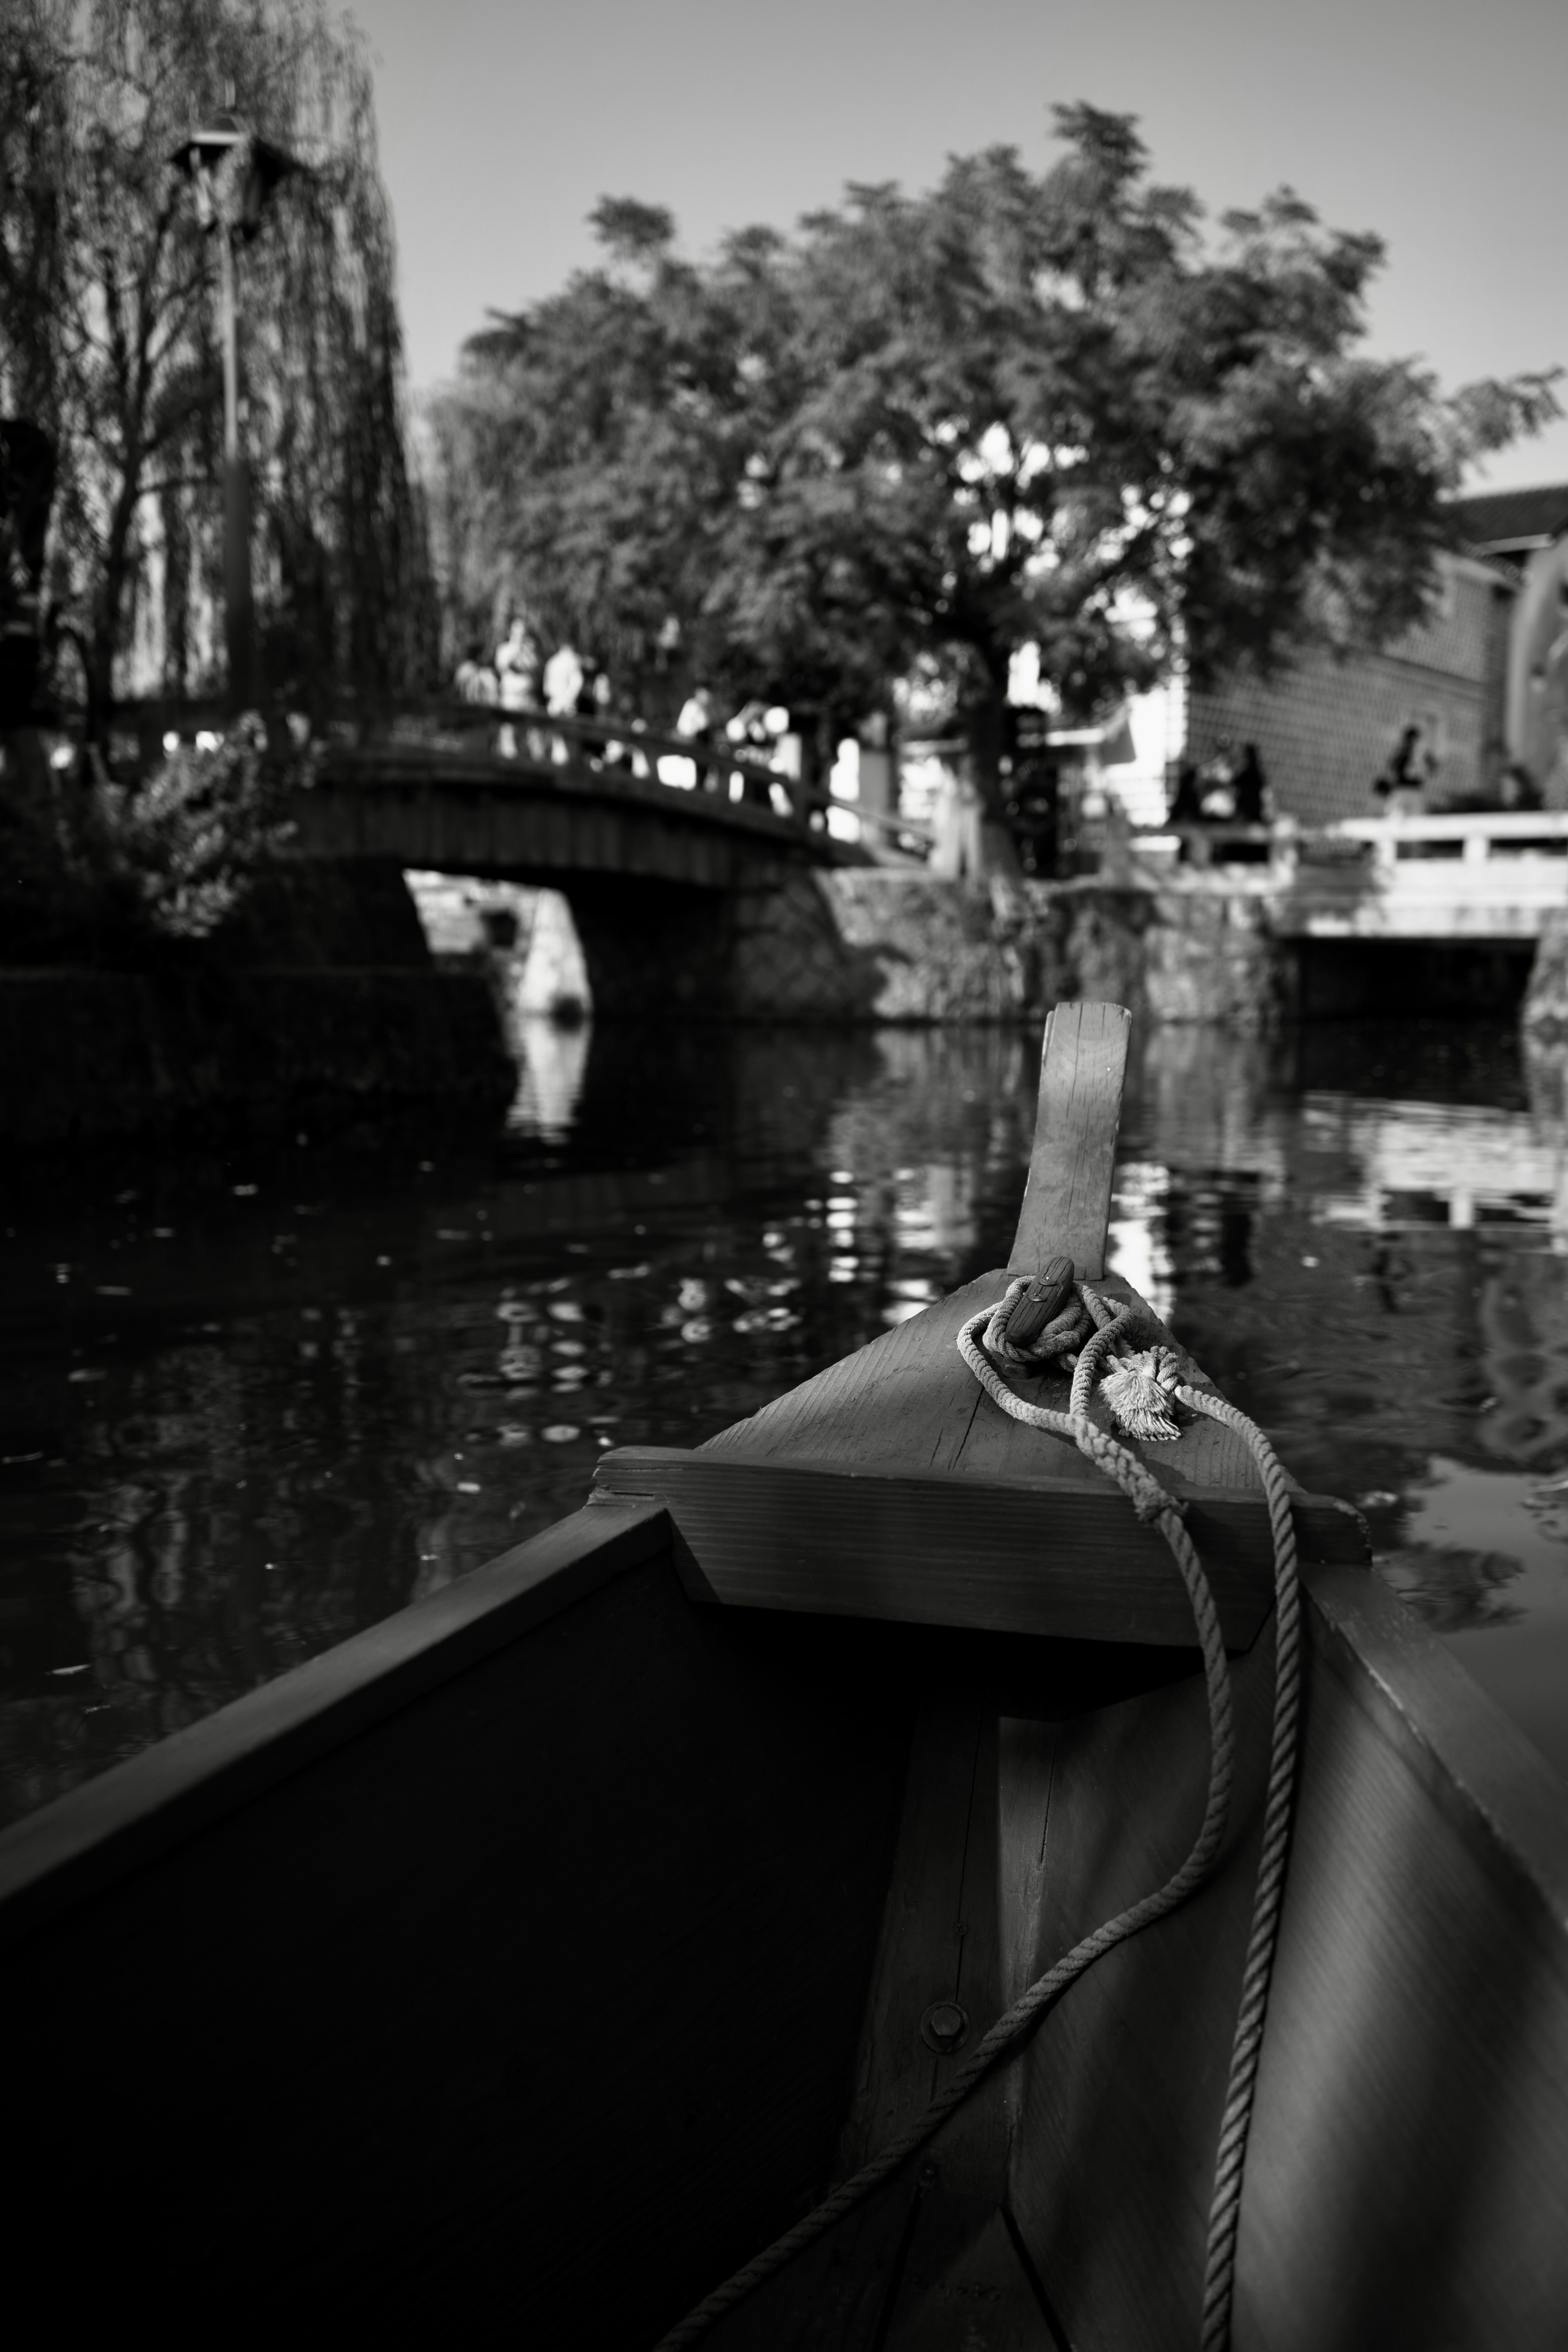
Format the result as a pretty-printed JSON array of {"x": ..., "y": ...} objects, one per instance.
[{"x": 252, "y": 1401}]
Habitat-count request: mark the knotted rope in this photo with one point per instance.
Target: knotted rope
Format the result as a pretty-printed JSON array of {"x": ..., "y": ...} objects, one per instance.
[
  {"x": 1268, "y": 1896},
  {"x": 1137, "y": 1389},
  {"x": 1151, "y": 1503}
]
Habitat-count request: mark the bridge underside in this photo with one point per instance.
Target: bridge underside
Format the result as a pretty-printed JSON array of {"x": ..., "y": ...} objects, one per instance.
[
  {"x": 684, "y": 904},
  {"x": 1340, "y": 978}
]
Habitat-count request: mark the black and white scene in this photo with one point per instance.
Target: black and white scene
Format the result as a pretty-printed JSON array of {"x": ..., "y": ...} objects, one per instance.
[{"x": 784, "y": 1174}]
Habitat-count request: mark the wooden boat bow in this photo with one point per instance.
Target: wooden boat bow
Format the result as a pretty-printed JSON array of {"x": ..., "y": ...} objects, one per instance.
[{"x": 892, "y": 1487}]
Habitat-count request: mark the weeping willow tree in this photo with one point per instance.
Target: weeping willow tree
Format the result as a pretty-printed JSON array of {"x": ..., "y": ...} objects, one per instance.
[{"x": 109, "y": 341}]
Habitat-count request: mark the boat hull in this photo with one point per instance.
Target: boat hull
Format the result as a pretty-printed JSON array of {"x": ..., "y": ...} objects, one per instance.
[{"x": 542, "y": 1955}]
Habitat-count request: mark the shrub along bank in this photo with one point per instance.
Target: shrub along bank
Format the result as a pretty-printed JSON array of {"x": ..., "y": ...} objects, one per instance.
[{"x": 163, "y": 959}]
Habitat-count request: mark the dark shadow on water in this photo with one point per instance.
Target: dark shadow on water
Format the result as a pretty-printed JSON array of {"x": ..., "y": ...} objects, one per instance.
[
  {"x": 1477, "y": 1062},
  {"x": 649, "y": 1094}
]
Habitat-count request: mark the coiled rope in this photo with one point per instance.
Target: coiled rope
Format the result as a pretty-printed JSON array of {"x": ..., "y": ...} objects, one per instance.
[
  {"x": 1154, "y": 1371},
  {"x": 1151, "y": 1503},
  {"x": 1268, "y": 1896}
]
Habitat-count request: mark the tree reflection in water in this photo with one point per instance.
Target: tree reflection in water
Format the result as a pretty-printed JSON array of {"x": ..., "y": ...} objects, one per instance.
[{"x": 256, "y": 1397}]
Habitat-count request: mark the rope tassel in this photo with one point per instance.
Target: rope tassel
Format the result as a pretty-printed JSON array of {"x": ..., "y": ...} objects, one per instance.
[{"x": 1140, "y": 1391}]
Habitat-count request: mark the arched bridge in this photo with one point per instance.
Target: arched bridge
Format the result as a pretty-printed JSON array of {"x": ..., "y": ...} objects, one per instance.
[{"x": 673, "y": 852}]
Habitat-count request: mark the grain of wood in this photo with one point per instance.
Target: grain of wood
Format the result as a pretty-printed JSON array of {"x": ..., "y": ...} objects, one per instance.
[
  {"x": 835, "y": 2296},
  {"x": 1066, "y": 1200},
  {"x": 905, "y": 1399},
  {"x": 963, "y": 2259},
  {"x": 1063, "y": 1557},
  {"x": 909, "y": 1400},
  {"x": 1121, "y": 2090},
  {"x": 939, "y": 1934}
]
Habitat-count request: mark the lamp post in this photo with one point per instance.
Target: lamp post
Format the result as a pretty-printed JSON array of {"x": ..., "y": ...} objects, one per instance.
[{"x": 234, "y": 173}]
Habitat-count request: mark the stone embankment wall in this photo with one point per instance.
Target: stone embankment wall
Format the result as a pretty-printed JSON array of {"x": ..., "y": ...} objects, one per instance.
[
  {"x": 1544, "y": 1012},
  {"x": 867, "y": 944},
  {"x": 863, "y": 943}
]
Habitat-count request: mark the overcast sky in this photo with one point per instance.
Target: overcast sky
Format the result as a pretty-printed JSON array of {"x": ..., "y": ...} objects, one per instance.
[{"x": 1437, "y": 123}]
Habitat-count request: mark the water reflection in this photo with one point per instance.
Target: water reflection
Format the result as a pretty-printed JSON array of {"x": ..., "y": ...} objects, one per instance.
[
  {"x": 255, "y": 1398},
  {"x": 1378, "y": 1271},
  {"x": 551, "y": 1067}
]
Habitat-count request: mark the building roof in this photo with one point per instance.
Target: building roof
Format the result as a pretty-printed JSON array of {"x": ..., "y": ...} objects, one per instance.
[{"x": 1497, "y": 522}]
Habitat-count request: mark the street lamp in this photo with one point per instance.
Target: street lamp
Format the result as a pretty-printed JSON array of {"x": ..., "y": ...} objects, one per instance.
[{"x": 234, "y": 173}]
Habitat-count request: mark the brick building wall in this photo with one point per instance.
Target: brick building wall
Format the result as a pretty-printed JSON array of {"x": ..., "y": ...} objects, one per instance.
[{"x": 1325, "y": 728}]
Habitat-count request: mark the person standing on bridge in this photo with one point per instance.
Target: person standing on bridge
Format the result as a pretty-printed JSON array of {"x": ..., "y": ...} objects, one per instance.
[
  {"x": 696, "y": 720},
  {"x": 1402, "y": 786},
  {"x": 592, "y": 702},
  {"x": 563, "y": 681},
  {"x": 1251, "y": 788},
  {"x": 1186, "y": 810},
  {"x": 751, "y": 731},
  {"x": 474, "y": 681},
  {"x": 516, "y": 660}
]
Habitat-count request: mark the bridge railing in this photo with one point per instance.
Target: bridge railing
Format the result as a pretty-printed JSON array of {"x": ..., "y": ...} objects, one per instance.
[
  {"x": 579, "y": 747},
  {"x": 1473, "y": 836},
  {"x": 599, "y": 746},
  {"x": 1470, "y": 837},
  {"x": 1492, "y": 874},
  {"x": 1203, "y": 842},
  {"x": 141, "y": 730},
  {"x": 683, "y": 762}
]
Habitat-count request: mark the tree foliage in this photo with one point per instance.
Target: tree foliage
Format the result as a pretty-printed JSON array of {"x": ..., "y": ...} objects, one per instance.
[
  {"x": 926, "y": 430},
  {"x": 109, "y": 341},
  {"x": 93, "y": 871}
]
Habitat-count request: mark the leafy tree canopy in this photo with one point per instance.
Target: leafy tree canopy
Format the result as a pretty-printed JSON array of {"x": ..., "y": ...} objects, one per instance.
[
  {"x": 925, "y": 430},
  {"x": 108, "y": 342}
]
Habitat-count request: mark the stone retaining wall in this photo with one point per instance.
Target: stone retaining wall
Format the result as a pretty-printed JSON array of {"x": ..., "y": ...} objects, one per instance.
[
  {"x": 1545, "y": 1009},
  {"x": 879, "y": 944},
  {"x": 904, "y": 946}
]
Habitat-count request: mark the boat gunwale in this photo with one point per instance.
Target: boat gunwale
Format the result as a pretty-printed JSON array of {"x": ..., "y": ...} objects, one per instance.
[
  {"x": 1474, "y": 1763},
  {"x": 1484, "y": 1773},
  {"x": 135, "y": 1811}
]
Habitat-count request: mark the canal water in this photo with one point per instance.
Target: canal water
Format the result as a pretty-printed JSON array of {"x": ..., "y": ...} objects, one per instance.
[{"x": 256, "y": 1395}]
